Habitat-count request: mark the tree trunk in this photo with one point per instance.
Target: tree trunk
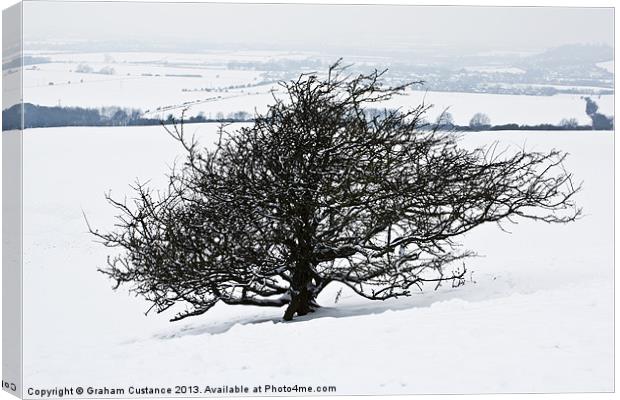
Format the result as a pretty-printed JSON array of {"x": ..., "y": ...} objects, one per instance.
[
  {"x": 302, "y": 290},
  {"x": 300, "y": 304},
  {"x": 302, "y": 295}
]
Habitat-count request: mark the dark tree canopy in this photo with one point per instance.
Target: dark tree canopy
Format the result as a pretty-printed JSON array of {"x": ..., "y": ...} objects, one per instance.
[
  {"x": 317, "y": 191},
  {"x": 599, "y": 121},
  {"x": 480, "y": 121}
]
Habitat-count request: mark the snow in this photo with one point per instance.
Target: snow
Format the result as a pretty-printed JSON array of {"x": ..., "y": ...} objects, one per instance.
[
  {"x": 204, "y": 57},
  {"x": 497, "y": 69},
  {"x": 505, "y": 109},
  {"x": 583, "y": 88},
  {"x": 139, "y": 87},
  {"x": 607, "y": 65},
  {"x": 140, "y": 82},
  {"x": 535, "y": 314}
]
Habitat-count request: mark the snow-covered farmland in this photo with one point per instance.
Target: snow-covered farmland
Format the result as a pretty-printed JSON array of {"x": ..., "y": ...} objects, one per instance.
[
  {"x": 495, "y": 69},
  {"x": 505, "y": 109},
  {"x": 607, "y": 66},
  {"x": 536, "y": 313},
  {"x": 165, "y": 83}
]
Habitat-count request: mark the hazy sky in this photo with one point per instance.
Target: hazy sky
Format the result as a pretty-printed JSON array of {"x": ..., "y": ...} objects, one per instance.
[{"x": 314, "y": 26}]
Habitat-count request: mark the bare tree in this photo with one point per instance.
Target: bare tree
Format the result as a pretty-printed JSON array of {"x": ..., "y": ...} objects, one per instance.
[
  {"x": 315, "y": 192},
  {"x": 480, "y": 121},
  {"x": 569, "y": 123},
  {"x": 445, "y": 120},
  {"x": 599, "y": 121}
]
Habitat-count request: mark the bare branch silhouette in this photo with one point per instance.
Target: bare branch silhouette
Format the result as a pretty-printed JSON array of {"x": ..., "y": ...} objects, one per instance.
[{"x": 319, "y": 191}]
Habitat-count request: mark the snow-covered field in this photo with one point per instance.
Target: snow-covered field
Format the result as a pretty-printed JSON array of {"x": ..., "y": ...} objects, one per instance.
[
  {"x": 536, "y": 313},
  {"x": 506, "y": 109},
  {"x": 607, "y": 65},
  {"x": 153, "y": 82},
  {"x": 488, "y": 69}
]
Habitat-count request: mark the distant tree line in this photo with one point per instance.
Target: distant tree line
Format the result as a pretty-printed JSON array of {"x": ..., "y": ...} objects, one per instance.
[
  {"x": 262, "y": 82},
  {"x": 482, "y": 122},
  {"x": 518, "y": 127},
  {"x": 25, "y": 60},
  {"x": 87, "y": 69},
  {"x": 36, "y": 116},
  {"x": 285, "y": 65}
]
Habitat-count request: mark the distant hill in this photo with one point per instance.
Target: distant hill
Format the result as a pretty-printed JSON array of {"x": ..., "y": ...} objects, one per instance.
[{"x": 575, "y": 54}]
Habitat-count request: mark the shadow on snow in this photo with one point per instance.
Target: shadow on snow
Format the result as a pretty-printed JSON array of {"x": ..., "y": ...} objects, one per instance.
[{"x": 357, "y": 306}]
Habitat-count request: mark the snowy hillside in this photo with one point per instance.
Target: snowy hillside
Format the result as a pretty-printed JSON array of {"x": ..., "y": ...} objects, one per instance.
[{"x": 535, "y": 315}]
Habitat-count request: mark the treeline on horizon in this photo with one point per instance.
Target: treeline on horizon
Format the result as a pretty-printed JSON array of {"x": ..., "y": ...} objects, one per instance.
[{"x": 36, "y": 116}]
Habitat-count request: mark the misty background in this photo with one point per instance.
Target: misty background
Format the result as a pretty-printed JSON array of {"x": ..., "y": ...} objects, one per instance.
[
  {"x": 454, "y": 29},
  {"x": 151, "y": 61}
]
